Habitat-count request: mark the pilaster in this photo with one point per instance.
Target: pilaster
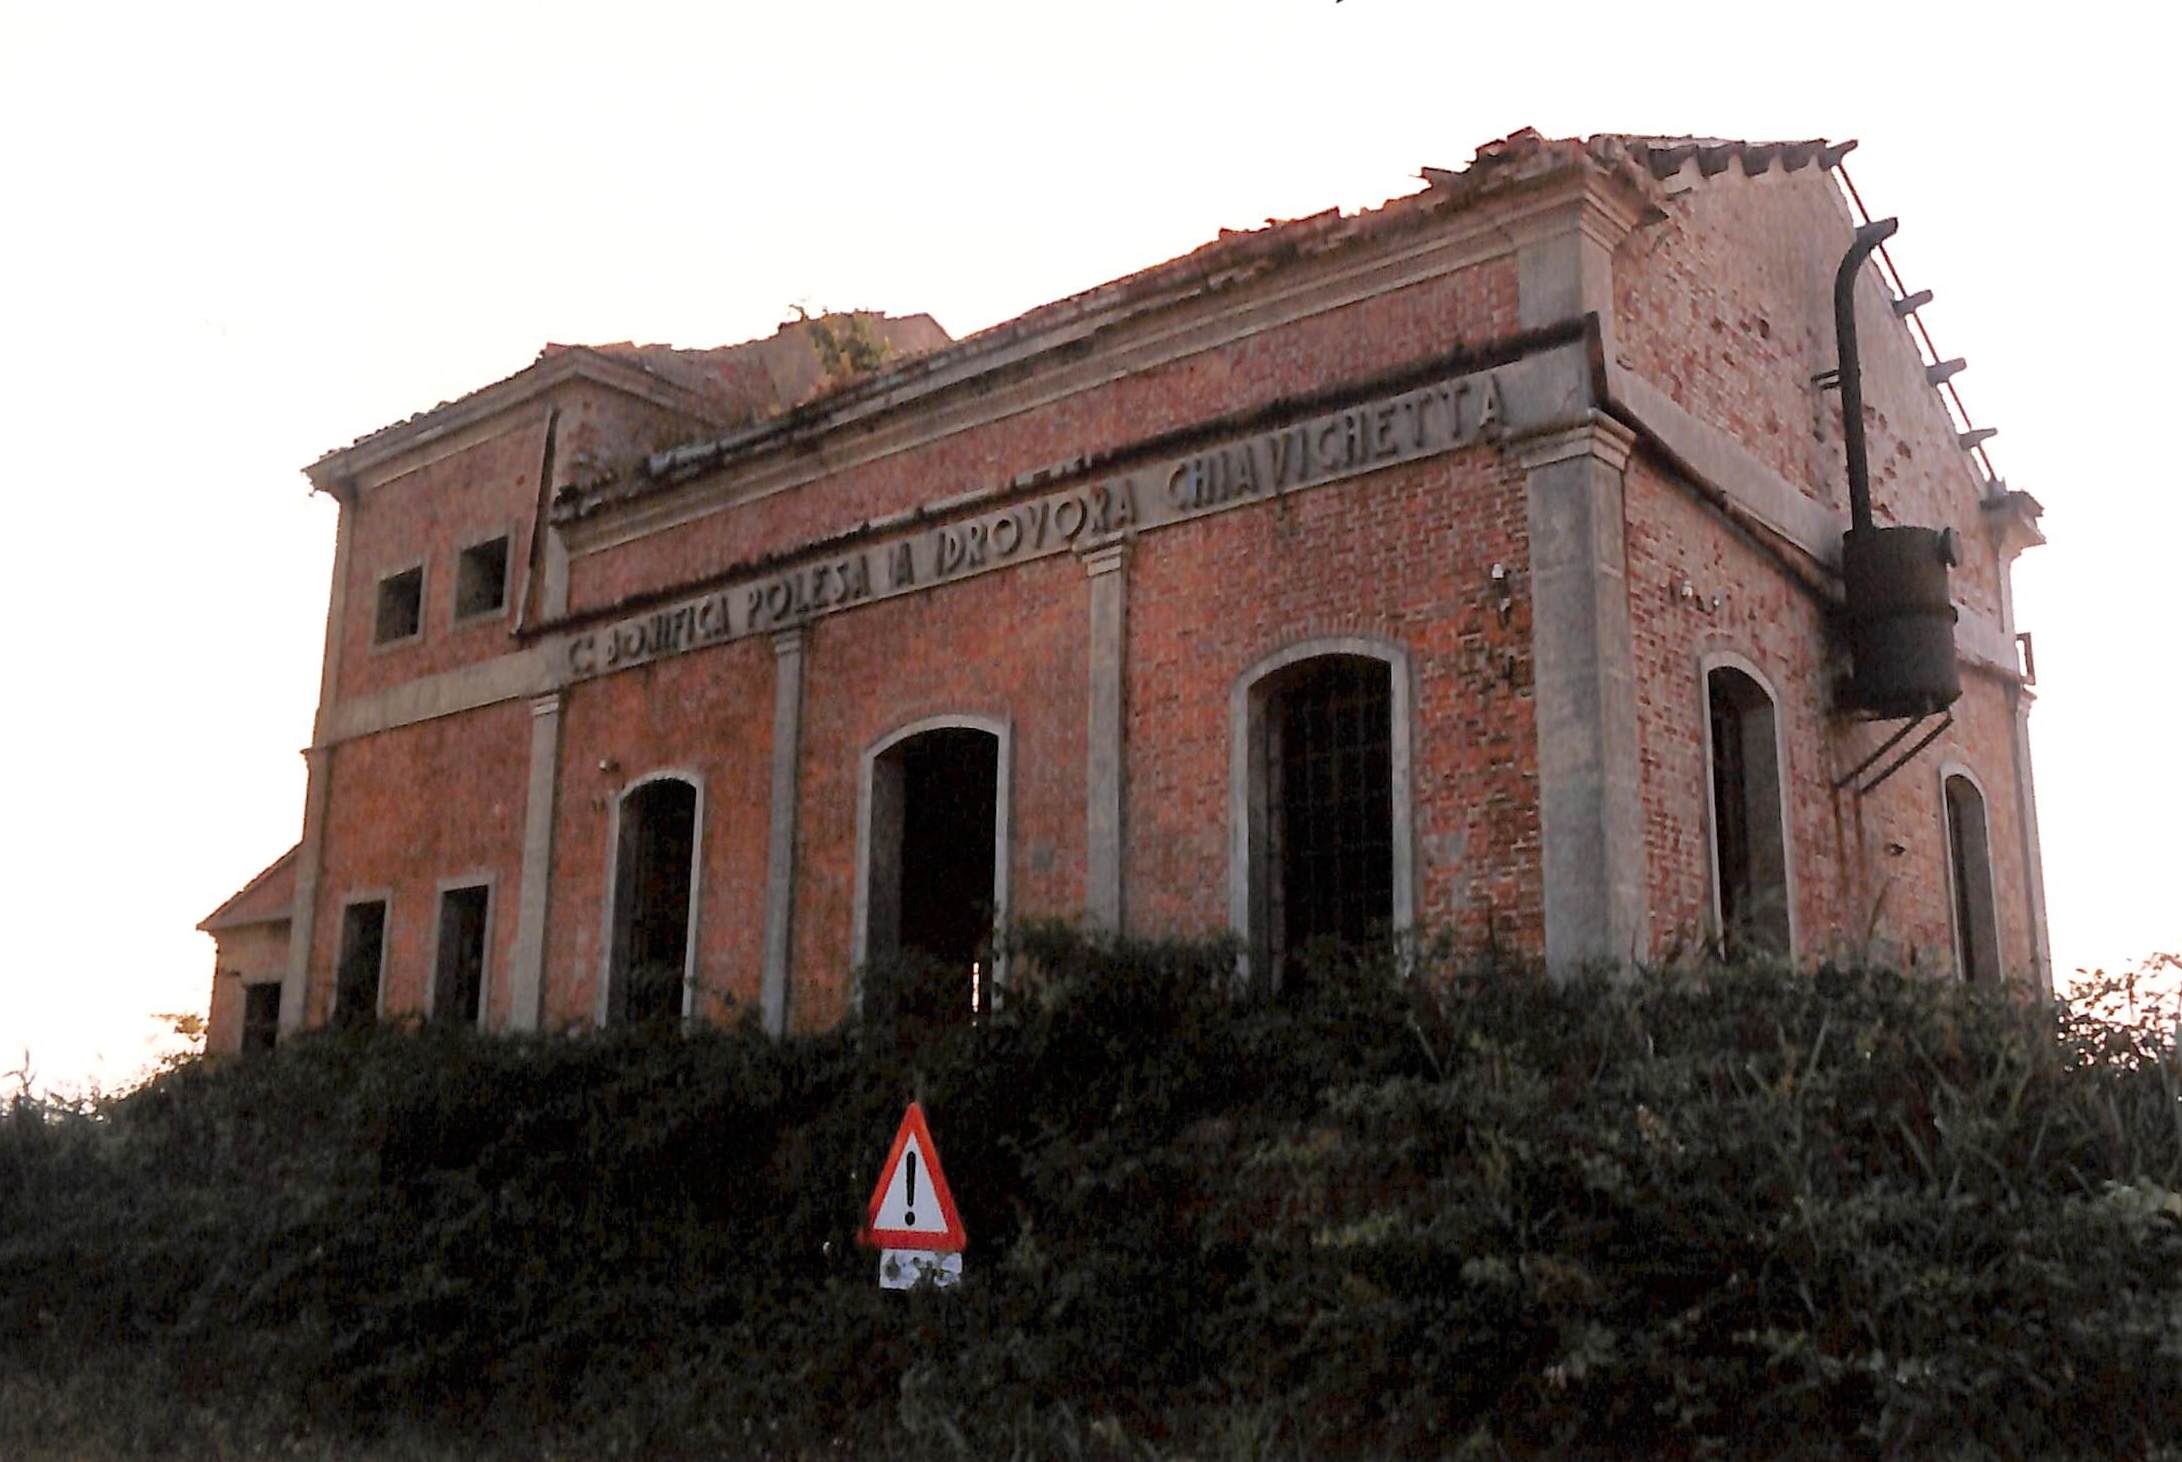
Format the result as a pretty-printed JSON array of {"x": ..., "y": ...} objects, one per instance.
[
  {"x": 295, "y": 986},
  {"x": 780, "y": 839},
  {"x": 526, "y": 975},
  {"x": 1107, "y": 566},
  {"x": 1589, "y": 789}
]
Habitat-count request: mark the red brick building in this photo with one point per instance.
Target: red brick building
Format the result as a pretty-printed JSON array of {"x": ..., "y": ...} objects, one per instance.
[{"x": 1473, "y": 563}]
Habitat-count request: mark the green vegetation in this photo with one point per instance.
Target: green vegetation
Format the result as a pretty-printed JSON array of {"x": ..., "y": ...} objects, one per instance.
[{"x": 1456, "y": 1212}]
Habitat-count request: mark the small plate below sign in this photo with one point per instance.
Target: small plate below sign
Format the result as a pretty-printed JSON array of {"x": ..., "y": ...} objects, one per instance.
[{"x": 907, "y": 1268}]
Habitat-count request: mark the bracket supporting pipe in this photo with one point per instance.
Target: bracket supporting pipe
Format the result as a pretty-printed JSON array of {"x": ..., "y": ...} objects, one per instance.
[
  {"x": 1908, "y": 756},
  {"x": 1876, "y": 752}
]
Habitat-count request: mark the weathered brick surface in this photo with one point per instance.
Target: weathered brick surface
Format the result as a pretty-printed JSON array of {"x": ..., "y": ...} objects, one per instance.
[
  {"x": 1470, "y": 306},
  {"x": 431, "y": 514},
  {"x": 1404, "y": 555},
  {"x": 1010, "y": 646},
  {"x": 638, "y": 724},
  {"x": 1724, "y": 305},
  {"x": 248, "y": 955},
  {"x": 408, "y": 808},
  {"x": 1727, "y": 305}
]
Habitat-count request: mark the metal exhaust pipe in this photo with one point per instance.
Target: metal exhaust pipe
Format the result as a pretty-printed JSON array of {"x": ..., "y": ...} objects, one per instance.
[{"x": 1869, "y": 237}]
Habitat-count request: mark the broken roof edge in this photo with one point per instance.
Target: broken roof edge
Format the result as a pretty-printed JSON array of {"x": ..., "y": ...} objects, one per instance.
[
  {"x": 236, "y": 912},
  {"x": 1496, "y": 171},
  {"x": 555, "y": 365}
]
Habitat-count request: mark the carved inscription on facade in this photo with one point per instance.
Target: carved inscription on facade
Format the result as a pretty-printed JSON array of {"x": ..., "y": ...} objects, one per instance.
[{"x": 1418, "y": 423}]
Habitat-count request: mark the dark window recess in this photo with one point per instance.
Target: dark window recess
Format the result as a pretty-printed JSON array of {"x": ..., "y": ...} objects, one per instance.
[
  {"x": 1969, "y": 853},
  {"x": 401, "y": 606},
  {"x": 935, "y": 800},
  {"x": 655, "y": 865},
  {"x": 1749, "y": 844},
  {"x": 1329, "y": 756},
  {"x": 260, "y": 1018},
  {"x": 481, "y": 578},
  {"x": 363, "y": 951},
  {"x": 458, "y": 982}
]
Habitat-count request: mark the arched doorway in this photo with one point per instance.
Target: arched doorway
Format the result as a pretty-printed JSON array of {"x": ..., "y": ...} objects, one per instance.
[{"x": 933, "y": 867}]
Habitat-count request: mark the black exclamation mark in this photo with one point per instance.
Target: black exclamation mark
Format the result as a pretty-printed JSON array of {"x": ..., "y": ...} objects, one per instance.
[{"x": 909, "y": 1214}]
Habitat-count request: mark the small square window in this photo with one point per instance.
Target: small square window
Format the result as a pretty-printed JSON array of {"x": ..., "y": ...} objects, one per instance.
[
  {"x": 481, "y": 578},
  {"x": 401, "y": 606}
]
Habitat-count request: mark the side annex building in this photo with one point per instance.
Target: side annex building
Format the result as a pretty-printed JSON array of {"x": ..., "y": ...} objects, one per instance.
[{"x": 1481, "y": 563}]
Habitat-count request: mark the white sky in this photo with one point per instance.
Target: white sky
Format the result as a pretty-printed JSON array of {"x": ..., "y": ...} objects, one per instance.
[{"x": 235, "y": 237}]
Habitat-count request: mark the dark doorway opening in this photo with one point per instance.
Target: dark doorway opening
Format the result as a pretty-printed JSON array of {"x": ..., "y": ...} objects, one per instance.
[
  {"x": 260, "y": 1018},
  {"x": 655, "y": 868},
  {"x": 458, "y": 977},
  {"x": 1749, "y": 844},
  {"x": 1969, "y": 852},
  {"x": 363, "y": 956},
  {"x": 934, "y": 864},
  {"x": 1330, "y": 806}
]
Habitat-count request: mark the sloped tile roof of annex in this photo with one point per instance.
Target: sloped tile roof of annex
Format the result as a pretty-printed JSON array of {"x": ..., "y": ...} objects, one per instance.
[
  {"x": 1521, "y": 159},
  {"x": 265, "y": 899}
]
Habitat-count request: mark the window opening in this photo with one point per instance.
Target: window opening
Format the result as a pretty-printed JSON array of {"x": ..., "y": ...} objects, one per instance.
[
  {"x": 1330, "y": 804},
  {"x": 1969, "y": 854},
  {"x": 458, "y": 978},
  {"x": 654, "y": 870},
  {"x": 363, "y": 959},
  {"x": 481, "y": 578},
  {"x": 400, "y": 607},
  {"x": 934, "y": 865},
  {"x": 260, "y": 1018},
  {"x": 1749, "y": 845}
]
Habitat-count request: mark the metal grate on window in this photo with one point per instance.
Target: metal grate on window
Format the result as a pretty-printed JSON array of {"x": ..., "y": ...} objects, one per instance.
[{"x": 1332, "y": 725}]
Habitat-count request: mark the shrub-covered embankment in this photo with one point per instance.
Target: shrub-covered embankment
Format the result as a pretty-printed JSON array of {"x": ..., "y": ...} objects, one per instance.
[{"x": 1736, "y": 1211}]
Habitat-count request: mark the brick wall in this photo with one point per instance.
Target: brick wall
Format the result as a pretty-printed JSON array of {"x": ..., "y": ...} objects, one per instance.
[
  {"x": 1405, "y": 555},
  {"x": 1472, "y": 306},
  {"x": 1724, "y": 305},
  {"x": 429, "y": 514},
  {"x": 405, "y": 809},
  {"x": 707, "y": 714},
  {"x": 248, "y": 954}
]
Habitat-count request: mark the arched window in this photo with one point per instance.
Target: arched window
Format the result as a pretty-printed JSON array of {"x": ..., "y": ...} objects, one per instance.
[
  {"x": 1751, "y": 905},
  {"x": 650, "y": 952},
  {"x": 1970, "y": 876},
  {"x": 932, "y": 865},
  {"x": 1320, "y": 802}
]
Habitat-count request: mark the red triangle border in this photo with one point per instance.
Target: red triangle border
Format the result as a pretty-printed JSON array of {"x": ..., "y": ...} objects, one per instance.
[{"x": 954, "y": 1238}]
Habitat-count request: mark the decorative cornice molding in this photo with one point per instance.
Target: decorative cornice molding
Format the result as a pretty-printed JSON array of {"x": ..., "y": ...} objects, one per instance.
[{"x": 1597, "y": 436}]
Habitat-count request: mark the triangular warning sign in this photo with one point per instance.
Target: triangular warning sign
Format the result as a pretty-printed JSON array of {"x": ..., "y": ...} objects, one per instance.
[{"x": 911, "y": 1208}]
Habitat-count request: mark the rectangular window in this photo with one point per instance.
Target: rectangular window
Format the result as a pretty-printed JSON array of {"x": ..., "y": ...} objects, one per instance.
[
  {"x": 260, "y": 1017},
  {"x": 363, "y": 959},
  {"x": 400, "y": 612},
  {"x": 481, "y": 578},
  {"x": 458, "y": 981}
]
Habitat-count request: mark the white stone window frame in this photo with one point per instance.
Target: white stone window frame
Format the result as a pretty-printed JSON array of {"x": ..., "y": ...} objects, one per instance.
[
  {"x": 1722, "y": 659},
  {"x": 1247, "y": 781},
  {"x": 478, "y": 878},
  {"x": 350, "y": 899},
  {"x": 1001, "y": 729},
  {"x": 602, "y": 1003},
  {"x": 456, "y": 619},
  {"x": 1951, "y": 767},
  {"x": 423, "y": 566}
]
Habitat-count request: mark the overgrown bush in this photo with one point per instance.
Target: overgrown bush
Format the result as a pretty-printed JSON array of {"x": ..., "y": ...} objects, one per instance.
[{"x": 1422, "y": 1208}]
